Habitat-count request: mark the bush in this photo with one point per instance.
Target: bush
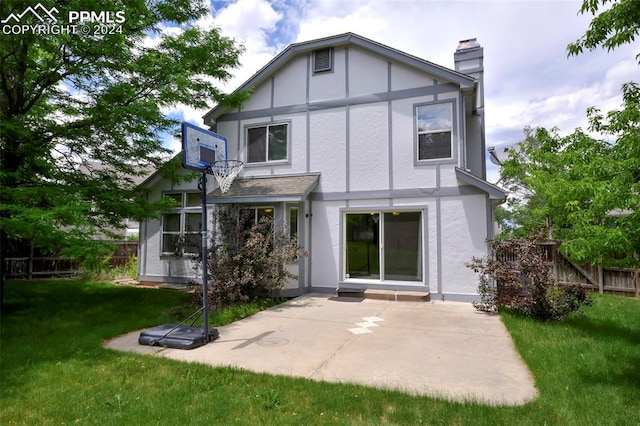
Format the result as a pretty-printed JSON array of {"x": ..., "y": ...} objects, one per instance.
[
  {"x": 93, "y": 256},
  {"x": 518, "y": 276},
  {"x": 244, "y": 262}
]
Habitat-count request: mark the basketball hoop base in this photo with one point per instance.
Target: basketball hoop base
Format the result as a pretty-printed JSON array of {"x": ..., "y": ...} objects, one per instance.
[{"x": 177, "y": 336}]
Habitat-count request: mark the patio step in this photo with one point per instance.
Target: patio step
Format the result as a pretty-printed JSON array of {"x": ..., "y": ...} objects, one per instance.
[{"x": 398, "y": 296}]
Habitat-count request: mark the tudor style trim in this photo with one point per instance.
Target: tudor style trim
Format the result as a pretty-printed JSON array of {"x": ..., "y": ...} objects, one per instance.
[
  {"x": 462, "y": 80},
  {"x": 352, "y": 133},
  {"x": 343, "y": 102}
]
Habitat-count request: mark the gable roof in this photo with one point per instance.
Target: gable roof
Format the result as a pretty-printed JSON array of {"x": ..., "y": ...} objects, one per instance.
[{"x": 346, "y": 39}]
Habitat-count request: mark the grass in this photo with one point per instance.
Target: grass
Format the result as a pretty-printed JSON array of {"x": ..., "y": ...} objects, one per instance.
[{"x": 53, "y": 370}]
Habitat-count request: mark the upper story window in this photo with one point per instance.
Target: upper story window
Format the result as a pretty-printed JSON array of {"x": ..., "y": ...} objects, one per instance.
[
  {"x": 323, "y": 60},
  {"x": 435, "y": 131},
  {"x": 267, "y": 143}
]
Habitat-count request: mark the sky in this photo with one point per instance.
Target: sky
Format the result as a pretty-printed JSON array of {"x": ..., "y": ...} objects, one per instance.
[{"x": 529, "y": 80}]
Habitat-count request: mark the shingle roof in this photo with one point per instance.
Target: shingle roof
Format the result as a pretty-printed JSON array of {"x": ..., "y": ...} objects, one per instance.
[{"x": 272, "y": 188}]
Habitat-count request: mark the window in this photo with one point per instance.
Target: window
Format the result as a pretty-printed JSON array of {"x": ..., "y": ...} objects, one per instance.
[
  {"x": 181, "y": 227},
  {"x": 293, "y": 222},
  {"x": 384, "y": 245},
  {"x": 194, "y": 199},
  {"x": 170, "y": 233},
  {"x": 252, "y": 215},
  {"x": 323, "y": 60},
  {"x": 434, "y": 124},
  {"x": 267, "y": 143}
]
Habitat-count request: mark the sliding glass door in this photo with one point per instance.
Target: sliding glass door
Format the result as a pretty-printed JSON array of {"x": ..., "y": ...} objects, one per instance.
[
  {"x": 384, "y": 245},
  {"x": 363, "y": 245},
  {"x": 402, "y": 246}
]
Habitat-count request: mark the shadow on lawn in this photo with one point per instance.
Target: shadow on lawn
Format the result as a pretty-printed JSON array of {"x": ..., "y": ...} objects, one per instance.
[
  {"x": 82, "y": 299},
  {"x": 56, "y": 320},
  {"x": 614, "y": 334},
  {"x": 607, "y": 329}
]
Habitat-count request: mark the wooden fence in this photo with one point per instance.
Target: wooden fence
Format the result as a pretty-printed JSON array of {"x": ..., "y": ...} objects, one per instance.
[
  {"x": 605, "y": 280},
  {"x": 49, "y": 266}
]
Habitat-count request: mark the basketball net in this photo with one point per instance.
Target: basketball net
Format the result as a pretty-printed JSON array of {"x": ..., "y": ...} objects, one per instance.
[{"x": 225, "y": 171}]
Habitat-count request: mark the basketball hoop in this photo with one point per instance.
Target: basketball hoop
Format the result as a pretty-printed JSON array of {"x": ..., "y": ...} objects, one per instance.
[{"x": 225, "y": 172}]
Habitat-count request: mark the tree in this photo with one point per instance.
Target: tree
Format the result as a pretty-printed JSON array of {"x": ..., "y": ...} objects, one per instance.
[
  {"x": 523, "y": 211},
  {"x": 96, "y": 95},
  {"x": 617, "y": 25},
  {"x": 585, "y": 191}
]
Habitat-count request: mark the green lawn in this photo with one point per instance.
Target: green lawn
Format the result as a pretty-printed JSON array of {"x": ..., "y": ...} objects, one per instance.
[{"x": 53, "y": 370}]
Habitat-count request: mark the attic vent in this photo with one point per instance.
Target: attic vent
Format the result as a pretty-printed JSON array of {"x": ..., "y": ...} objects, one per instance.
[{"x": 323, "y": 60}]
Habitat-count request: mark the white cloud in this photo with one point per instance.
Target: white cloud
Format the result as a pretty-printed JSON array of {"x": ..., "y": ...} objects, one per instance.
[
  {"x": 619, "y": 73},
  {"x": 558, "y": 103},
  {"x": 250, "y": 23},
  {"x": 325, "y": 18},
  {"x": 247, "y": 19}
]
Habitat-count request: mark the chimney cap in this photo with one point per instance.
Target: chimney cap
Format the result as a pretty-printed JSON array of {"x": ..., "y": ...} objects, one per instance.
[{"x": 468, "y": 44}]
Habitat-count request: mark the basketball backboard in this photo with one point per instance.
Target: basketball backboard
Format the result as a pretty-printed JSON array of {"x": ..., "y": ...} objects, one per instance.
[{"x": 201, "y": 147}]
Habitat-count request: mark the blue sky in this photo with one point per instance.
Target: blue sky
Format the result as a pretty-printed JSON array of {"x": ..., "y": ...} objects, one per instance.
[{"x": 529, "y": 81}]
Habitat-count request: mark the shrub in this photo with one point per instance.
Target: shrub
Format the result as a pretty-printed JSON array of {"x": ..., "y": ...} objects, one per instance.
[
  {"x": 517, "y": 275},
  {"x": 244, "y": 262},
  {"x": 130, "y": 269},
  {"x": 93, "y": 256}
]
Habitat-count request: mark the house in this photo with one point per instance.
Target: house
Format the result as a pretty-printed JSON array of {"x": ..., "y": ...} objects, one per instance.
[{"x": 374, "y": 157}]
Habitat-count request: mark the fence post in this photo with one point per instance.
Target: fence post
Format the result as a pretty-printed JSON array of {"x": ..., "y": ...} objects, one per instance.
[
  {"x": 554, "y": 262},
  {"x": 600, "y": 279},
  {"x": 30, "y": 265}
]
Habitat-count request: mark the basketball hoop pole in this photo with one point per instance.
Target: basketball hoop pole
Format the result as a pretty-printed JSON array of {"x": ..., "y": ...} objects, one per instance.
[
  {"x": 205, "y": 256},
  {"x": 224, "y": 171},
  {"x": 201, "y": 150}
]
